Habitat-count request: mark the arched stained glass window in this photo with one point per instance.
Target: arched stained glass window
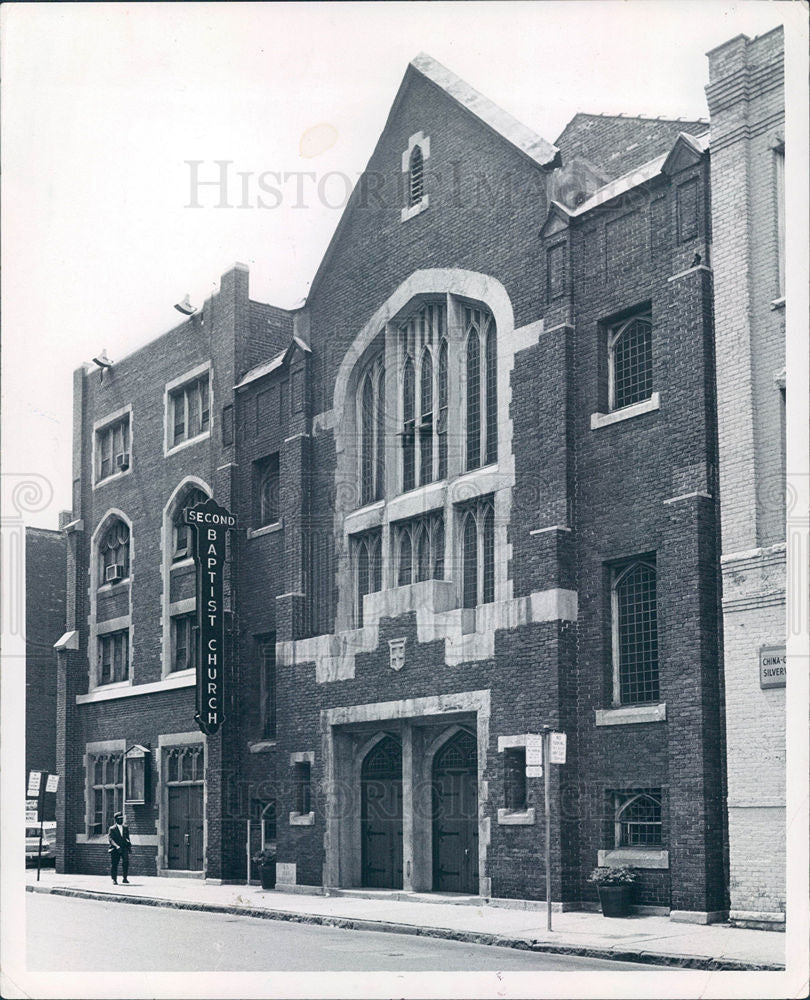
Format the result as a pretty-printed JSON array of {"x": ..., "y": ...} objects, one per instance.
[
  {"x": 470, "y": 561},
  {"x": 404, "y": 569},
  {"x": 408, "y": 427},
  {"x": 426, "y": 418},
  {"x": 488, "y": 530},
  {"x": 113, "y": 552},
  {"x": 492, "y": 393},
  {"x": 367, "y": 442},
  {"x": 473, "y": 399},
  {"x": 442, "y": 417}
]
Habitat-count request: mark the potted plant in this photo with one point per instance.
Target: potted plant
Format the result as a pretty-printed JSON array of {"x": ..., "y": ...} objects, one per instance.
[
  {"x": 615, "y": 887},
  {"x": 266, "y": 860}
]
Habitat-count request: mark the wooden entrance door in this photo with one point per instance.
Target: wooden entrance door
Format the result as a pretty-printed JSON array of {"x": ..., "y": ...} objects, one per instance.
[
  {"x": 184, "y": 800},
  {"x": 455, "y": 815},
  {"x": 381, "y": 817}
]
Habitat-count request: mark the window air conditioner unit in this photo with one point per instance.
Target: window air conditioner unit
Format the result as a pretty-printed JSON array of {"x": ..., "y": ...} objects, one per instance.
[
  {"x": 122, "y": 460},
  {"x": 113, "y": 573}
]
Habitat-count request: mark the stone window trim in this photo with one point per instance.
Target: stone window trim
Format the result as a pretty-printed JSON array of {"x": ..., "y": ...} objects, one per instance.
[
  {"x": 415, "y": 205},
  {"x": 170, "y": 390},
  {"x": 170, "y": 565},
  {"x": 650, "y": 405},
  {"x": 631, "y": 715},
  {"x": 266, "y": 529},
  {"x": 633, "y": 857},
  {"x": 124, "y": 413}
]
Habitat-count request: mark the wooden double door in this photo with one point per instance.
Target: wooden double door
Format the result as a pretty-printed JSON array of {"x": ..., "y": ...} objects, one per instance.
[
  {"x": 185, "y": 827},
  {"x": 455, "y": 815}
]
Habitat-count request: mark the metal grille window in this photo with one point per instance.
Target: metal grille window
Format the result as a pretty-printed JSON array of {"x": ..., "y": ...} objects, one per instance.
[
  {"x": 635, "y": 634},
  {"x": 113, "y": 657},
  {"x": 267, "y": 654},
  {"x": 630, "y": 361},
  {"x": 419, "y": 549},
  {"x": 113, "y": 553},
  {"x": 416, "y": 177},
  {"x": 367, "y": 569},
  {"x": 514, "y": 778},
  {"x": 190, "y": 409},
  {"x": 478, "y": 554},
  {"x": 107, "y": 791},
  {"x": 112, "y": 449},
  {"x": 638, "y": 820},
  {"x": 184, "y": 647}
]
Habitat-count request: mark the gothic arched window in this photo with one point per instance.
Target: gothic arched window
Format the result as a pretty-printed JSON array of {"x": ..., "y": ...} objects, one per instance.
[
  {"x": 482, "y": 388},
  {"x": 635, "y": 633},
  {"x": 478, "y": 554},
  {"x": 372, "y": 432},
  {"x": 113, "y": 552},
  {"x": 426, "y": 418}
]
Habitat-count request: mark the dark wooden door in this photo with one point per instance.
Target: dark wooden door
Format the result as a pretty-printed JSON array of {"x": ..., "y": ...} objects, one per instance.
[
  {"x": 185, "y": 827},
  {"x": 381, "y": 817},
  {"x": 455, "y": 816}
]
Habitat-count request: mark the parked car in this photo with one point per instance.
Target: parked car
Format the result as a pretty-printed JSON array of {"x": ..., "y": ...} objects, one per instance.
[{"x": 48, "y": 843}]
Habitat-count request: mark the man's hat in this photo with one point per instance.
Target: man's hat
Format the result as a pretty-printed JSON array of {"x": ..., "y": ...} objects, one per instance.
[{"x": 118, "y": 816}]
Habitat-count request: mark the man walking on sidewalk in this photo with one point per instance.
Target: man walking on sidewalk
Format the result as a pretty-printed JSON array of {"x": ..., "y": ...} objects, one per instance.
[{"x": 120, "y": 846}]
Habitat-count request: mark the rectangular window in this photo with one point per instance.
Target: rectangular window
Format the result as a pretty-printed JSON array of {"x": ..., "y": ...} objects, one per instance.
[
  {"x": 184, "y": 647},
  {"x": 630, "y": 360},
  {"x": 267, "y": 665},
  {"x": 514, "y": 778},
  {"x": 266, "y": 491},
  {"x": 555, "y": 272},
  {"x": 107, "y": 790},
  {"x": 638, "y": 821},
  {"x": 112, "y": 448},
  {"x": 190, "y": 412},
  {"x": 303, "y": 787},
  {"x": 635, "y": 632},
  {"x": 113, "y": 657}
]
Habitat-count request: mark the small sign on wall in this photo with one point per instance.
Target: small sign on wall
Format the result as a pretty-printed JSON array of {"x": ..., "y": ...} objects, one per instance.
[{"x": 772, "y": 666}]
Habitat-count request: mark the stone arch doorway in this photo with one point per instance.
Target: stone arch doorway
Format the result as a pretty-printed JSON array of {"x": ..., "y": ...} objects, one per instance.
[
  {"x": 455, "y": 815},
  {"x": 381, "y": 815}
]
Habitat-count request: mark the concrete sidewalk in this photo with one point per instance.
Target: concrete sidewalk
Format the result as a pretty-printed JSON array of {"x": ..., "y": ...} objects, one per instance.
[{"x": 656, "y": 940}]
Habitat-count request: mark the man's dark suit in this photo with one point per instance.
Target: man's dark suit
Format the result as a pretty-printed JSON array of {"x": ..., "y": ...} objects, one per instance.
[{"x": 120, "y": 846}]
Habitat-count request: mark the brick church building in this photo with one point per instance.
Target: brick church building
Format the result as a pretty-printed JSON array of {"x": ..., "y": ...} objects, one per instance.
[{"x": 476, "y": 478}]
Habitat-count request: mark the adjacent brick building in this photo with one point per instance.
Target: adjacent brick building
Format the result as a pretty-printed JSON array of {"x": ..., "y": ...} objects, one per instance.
[
  {"x": 476, "y": 481},
  {"x": 45, "y": 553},
  {"x": 747, "y": 104}
]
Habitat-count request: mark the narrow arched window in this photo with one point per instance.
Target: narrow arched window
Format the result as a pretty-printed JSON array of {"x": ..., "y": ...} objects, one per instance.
[
  {"x": 488, "y": 547},
  {"x": 181, "y": 532},
  {"x": 416, "y": 177},
  {"x": 438, "y": 551},
  {"x": 375, "y": 563},
  {"x": 408, "y": 426},
  {"x": 113, "y": 553},
  {"x": 470, "y": 561},
  {"x": 492, "y": 393},
  {"x": 426, "y": 419},
  {"x": 379, "y": 476},
  {"x": 442, "y": 417},
  {"x": 367, "y": 441},
  {"x": 630, "y": 361},
  {"x": 473, "y": 399},
  {"x": 405, "y": 559},
  {"x": 635, "y": 633},
  {"x": 422, "y": 553}
]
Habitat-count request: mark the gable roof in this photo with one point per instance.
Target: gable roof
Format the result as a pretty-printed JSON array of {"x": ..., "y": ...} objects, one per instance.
[{"x": 541, "y": 153}]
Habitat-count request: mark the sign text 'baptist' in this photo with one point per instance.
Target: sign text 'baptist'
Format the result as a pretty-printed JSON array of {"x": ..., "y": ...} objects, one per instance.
[{"x": 210, "y": 523}]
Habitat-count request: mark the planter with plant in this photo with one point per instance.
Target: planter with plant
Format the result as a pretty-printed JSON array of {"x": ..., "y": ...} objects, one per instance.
[
  {"x": 615, "y": 887},
  {"x": 266, "y": 860}
]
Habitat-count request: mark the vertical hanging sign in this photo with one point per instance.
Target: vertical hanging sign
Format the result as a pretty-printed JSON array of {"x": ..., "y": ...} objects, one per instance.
[{"x": 210, "y": 523}]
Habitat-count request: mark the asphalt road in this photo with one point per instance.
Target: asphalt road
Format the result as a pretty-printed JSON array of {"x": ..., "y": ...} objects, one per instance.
[{"x": 84, "y": 935}]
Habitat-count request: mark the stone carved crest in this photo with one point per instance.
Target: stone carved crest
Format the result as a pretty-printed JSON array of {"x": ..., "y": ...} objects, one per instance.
[{"x": 397, "y": 650}]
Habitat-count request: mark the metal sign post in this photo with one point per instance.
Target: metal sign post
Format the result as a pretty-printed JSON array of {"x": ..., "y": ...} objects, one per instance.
[{"x": 547, "y": 809}]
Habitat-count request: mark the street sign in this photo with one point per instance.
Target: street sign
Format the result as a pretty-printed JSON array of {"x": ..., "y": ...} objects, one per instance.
[
  {"x": 556, "y": 750},
  {"x": 210, "y": 524},
  {"x": 34, "y": 781},
  {"x": 52, "y": 783},
  {"x": 534, "y": 750},
  {"x": 31, "y": 811}
]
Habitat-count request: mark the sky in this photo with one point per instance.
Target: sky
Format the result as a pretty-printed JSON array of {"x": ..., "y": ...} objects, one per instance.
[{"x": 104, "y": 105}]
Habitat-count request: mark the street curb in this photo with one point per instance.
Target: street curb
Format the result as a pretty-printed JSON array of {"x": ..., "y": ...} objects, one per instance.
[{"x": 701, "y": 962}]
